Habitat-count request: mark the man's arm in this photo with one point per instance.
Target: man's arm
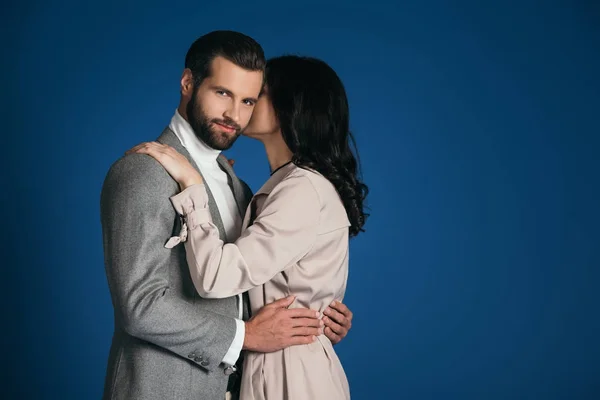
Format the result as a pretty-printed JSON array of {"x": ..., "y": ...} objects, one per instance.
[{"x": 137, "y": 219}]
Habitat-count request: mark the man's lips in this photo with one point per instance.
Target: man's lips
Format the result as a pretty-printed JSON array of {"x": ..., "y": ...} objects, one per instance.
[{"x": 226, "y": 128}]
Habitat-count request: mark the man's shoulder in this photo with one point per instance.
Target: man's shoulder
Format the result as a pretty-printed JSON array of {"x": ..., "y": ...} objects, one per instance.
[{"x": 138, "y": 171}]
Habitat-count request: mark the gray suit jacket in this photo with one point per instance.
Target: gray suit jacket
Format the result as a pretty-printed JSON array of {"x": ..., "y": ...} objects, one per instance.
[{"x": 168, "y": 341}]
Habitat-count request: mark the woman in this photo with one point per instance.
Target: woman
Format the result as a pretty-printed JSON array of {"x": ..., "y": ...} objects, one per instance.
[{"x": 297, "y": 227}]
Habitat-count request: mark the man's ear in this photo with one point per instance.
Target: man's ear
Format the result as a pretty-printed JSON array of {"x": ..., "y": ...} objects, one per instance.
[{"x": 187, "y": 83}]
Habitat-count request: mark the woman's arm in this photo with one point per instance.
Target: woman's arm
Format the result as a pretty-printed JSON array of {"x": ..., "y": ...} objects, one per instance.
[{"x": 283, "y": 232}]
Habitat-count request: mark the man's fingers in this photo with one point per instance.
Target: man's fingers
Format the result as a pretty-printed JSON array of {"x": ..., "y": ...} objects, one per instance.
[
  {"x": 311, "y": 322},
  {"x": 335, "y": 327},
  {"x": 302, "y": 313},
  {"x": 335, "y": 315},
  {"x": 342, "y": 308},
  {"x": 281, "y": 303},
  {"x": 335, "y": 338}
]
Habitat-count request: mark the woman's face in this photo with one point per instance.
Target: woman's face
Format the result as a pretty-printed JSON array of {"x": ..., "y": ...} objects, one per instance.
[{"x": 263, "y": 120}]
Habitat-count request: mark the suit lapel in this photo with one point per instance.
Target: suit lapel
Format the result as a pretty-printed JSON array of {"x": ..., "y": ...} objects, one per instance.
[{"x": 241, "y": 199}]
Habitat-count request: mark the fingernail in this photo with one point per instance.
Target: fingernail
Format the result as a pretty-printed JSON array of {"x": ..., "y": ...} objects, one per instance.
[
  {"x": 314, "y": 338},
  {"x": 320, "y": 331},
  {"x": 317, "y": 314},
  {"x": 333, "y": 303},
  {"x": 326, "y": 311},
  {"x": 321, "y": 323},
  {"x": 325, "y": 319}
]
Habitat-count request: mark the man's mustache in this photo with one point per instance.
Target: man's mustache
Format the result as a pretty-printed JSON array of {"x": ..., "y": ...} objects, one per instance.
[{"x": 228, "y": 123}]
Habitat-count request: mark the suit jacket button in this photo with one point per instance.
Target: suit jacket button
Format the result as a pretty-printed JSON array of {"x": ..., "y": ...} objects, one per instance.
[
  {"x": 198, "y": 359},
  {"x": 192, "y": 355},
  {"x": 204, "y": 363}
]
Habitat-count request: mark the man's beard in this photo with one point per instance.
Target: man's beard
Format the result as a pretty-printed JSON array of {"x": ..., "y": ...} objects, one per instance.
[{"x": 201, "y": 126}]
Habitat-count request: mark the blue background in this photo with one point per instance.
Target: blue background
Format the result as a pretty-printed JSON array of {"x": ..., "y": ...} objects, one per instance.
[{"x": 477, "y": 124}]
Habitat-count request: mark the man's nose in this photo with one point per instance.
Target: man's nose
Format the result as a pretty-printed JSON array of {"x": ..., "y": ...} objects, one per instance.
[{"x": 233, "y": 112}]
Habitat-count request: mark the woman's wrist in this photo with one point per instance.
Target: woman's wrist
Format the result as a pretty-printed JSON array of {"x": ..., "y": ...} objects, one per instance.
[{"x": 186, "y": 183}]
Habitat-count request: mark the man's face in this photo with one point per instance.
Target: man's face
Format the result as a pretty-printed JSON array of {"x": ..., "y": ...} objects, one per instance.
[{"x": 221, "y": 107}]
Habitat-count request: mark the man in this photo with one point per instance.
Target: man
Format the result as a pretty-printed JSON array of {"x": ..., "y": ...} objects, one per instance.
[{"x": 169, "y": 343}]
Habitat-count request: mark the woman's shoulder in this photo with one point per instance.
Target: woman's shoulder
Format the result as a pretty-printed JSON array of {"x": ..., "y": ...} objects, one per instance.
[
  {"x": 331, "y": 206},
  {"x": 303, "y": 179},
  {"x": 323, "y": 187}
]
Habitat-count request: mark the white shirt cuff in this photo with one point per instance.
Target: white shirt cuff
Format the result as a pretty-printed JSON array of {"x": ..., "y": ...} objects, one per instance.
[{"x": 233, "y": 353}]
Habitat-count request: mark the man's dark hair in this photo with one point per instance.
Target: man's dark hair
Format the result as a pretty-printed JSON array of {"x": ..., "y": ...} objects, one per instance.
[{"x": 236, "y": 47}]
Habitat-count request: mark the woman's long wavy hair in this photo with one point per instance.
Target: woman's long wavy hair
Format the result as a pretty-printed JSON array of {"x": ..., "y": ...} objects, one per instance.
[{"x": 310, "y": 103}]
